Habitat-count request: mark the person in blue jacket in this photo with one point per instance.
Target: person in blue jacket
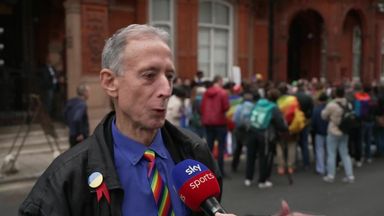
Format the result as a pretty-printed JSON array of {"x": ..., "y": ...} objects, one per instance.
[
  {"x": 319, "y": 126},
  {"x": 76, "y": 117}
]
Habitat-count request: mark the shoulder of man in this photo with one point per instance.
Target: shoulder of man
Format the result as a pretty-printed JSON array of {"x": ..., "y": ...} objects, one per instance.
[{"x": 63, "y": 176}]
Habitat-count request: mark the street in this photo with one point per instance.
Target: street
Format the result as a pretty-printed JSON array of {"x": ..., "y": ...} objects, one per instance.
[
  {"x": 308, "y": 194},
  {"x": 11, "y": 195}
]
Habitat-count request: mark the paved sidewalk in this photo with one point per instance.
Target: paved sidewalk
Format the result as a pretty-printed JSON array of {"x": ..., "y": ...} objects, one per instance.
[
  {"x": 35, "y": 155},
  {"x": 29, "y": 166}
]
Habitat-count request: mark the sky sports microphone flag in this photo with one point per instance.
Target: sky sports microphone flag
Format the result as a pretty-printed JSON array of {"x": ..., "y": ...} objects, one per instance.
[{"x": 195, "y": 183}]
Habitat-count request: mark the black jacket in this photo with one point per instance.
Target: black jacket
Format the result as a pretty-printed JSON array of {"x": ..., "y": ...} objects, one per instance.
[
  {"x": 76, "y": 117},
  {"x": 63, "y": 188},
  {"x": 306, "y": 103}
]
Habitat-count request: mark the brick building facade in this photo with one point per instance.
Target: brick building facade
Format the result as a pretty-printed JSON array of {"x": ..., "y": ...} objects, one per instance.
[{"x": 312, "y": 38}]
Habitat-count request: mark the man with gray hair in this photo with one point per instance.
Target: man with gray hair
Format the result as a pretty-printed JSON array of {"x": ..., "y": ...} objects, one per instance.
[
  {"x": 109, "y": 173},
  {"x": 76, "y": 116}
]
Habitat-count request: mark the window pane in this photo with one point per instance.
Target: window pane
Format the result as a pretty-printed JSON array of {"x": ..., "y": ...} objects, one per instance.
[
  {"x": 220, "y": 59},
  {"x": 382, "y": 67},
  {"x": 220, "y": 55},
  {"x": 204, "y": 36},
  {"x": 356, "y": 40},
  {"x": 356, "y": 52},
  {"x": 204, "y": 46},
  {"x": 205, "y": 12},
  {"x": 167, "y": 29},
  {"x": 221, "y": 14},
  {"x": 221, "y": 52},
  {"x": 204, "y": 54},
  {"x": 221, "y": 69},
  {"x": 164, "y": 27},
  {"x": 221, "y": 38},
  {"x": 161, "y": 10}
]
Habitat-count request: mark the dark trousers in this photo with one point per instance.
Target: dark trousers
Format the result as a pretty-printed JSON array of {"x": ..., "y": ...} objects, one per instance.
[
  {"x": 240, "y": 134},
  {"x": 218, "y": 133},
  {"x": 355, "y": 145},
  {"x": 266, "y": 152},
  {"x": 303, "y": 143},
  {"x": 367, "y": 136},
  {"x": 252, "y": 148}
]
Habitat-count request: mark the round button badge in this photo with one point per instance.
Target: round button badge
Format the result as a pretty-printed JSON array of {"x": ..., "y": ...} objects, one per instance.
[{"x": 95, "y": 180}]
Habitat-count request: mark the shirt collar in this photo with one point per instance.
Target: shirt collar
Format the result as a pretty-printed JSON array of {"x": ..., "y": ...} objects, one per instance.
[{"x": 135, "y": 150}]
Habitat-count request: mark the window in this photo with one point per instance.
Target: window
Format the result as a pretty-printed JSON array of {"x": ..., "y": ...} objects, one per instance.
[
  {"x": 324, "y": 47},
  {"x": 161, "y": 16},
  {"x": 356, "y": 50},
  {"x": 215, "y": 38},
  {"x": 382, "y": 59}
]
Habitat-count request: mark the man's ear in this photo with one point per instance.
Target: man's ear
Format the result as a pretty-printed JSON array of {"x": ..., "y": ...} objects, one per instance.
[{"x": 109, "y": 82}]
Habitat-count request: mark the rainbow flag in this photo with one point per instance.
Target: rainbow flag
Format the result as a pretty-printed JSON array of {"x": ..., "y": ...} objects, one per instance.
[{"x": 234, "y": 101}]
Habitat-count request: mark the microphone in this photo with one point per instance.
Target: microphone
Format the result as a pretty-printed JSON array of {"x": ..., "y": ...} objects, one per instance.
[{"x": 197, "y": 187}]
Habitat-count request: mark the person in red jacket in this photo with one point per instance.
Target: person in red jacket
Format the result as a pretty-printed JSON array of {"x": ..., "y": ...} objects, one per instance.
[{"x": 214, "y": 105}]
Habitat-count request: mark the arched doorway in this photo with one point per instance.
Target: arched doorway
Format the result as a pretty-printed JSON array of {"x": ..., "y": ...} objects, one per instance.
[
  {"x": 28, "y": 31},
  {"x": 306, "y": 46},
  {"x": 352, "y": 46}
]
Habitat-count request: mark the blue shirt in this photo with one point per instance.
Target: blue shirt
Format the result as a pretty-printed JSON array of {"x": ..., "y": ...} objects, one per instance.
[{"x": 132, "y": 170}]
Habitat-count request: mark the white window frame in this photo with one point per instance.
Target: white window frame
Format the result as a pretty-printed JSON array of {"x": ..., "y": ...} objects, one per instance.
[
  {"x": 169, "y": 23},
  {"x": 212, "y": 26}
]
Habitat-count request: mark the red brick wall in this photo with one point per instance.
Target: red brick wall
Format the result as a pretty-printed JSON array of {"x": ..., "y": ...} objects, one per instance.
[
  {"x": 141, "y": 10},
  {"x": 186, "y": 18},
  {"x": 379, "y": 60},
  {"x": 94, "y": 25},
  {"x": 251, "y": 35},
  {"x": 346, "y": 47},
  {"x": 244, "y": 15},
  {"x": 119, "y": 19},
  {"x": 260, "y": 48},
  {"x": 333, "y": 14}
]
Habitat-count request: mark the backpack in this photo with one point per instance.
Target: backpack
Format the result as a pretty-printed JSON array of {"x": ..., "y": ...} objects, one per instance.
[
  {"x": 287, "y": 105},
  {"x": 298, "y": 122},
  {"x": 195, "y": 118},
  {"x": 349, "y": 119},
  {"x": 262, "y": 114},
  {"x": 361, "y": 105},
  {"x": 293, "y": 115},
  {"x": 243, "y": 113}
]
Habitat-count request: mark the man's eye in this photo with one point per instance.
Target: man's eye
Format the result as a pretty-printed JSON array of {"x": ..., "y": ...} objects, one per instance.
[
  {"x": 149, "y": 75},
  {"x": 171, "y": 76}
]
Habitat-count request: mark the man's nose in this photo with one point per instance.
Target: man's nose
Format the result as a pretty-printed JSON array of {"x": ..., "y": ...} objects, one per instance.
[{"x": 164, "y": 87}]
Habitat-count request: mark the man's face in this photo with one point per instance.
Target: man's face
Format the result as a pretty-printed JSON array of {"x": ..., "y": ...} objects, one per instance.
[
  {"x": 86, "y": 93},
  {"x": 146, "y": 84}
]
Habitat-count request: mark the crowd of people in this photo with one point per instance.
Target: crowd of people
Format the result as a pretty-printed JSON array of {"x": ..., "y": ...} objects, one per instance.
[{"x": 304, "y": 115}]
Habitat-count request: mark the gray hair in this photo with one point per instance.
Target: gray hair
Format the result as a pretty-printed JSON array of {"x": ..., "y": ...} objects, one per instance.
[
  {"x": 113, "y": 52},
  {"x": 81, "y": 89}
]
